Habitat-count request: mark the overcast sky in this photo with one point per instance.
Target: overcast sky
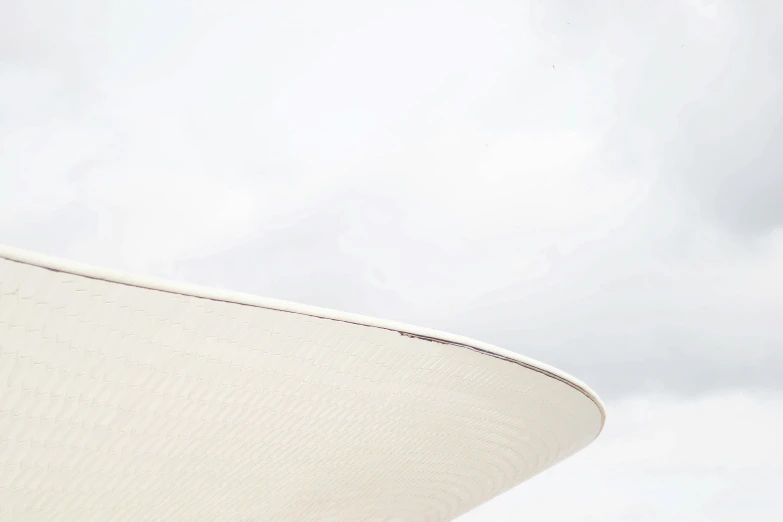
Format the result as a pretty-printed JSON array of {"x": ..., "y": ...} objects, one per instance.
[{"x": 596, "y": 185}]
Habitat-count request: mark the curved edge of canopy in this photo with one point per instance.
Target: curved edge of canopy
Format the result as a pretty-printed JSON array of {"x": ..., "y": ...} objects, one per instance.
[{"x": 162, "y": 285}]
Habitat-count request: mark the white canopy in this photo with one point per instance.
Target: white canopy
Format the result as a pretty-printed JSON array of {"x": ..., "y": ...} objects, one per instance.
[{"x": 131, "y": 399}]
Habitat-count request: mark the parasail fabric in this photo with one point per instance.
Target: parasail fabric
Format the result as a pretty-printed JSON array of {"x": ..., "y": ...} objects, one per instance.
[{"x": 125, "y": 398}]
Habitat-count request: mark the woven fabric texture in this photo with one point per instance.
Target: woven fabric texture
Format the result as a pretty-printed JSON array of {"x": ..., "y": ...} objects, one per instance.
[{"x": 122, "y": 403}]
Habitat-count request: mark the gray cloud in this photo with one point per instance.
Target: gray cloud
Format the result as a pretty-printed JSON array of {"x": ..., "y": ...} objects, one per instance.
[
  {"x": 301, "y": 263},
  {"x": 706, "y": 112},
  {"x": 426, "y": 164},
  {"x": 596, "y": 186},
  {"x": 737, "y": 174}
]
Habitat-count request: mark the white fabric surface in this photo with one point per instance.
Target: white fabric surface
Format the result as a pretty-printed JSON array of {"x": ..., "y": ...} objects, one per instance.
[{"x": 130, "y": 399}]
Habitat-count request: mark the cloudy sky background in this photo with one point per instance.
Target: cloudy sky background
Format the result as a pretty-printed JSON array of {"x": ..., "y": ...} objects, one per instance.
[{"x": 596, "y": 186}]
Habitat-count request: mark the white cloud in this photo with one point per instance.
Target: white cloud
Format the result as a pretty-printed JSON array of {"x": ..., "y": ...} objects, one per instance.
[
  {"x": 714, "y": 458},
  {"x": 611, "y": 214}
]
